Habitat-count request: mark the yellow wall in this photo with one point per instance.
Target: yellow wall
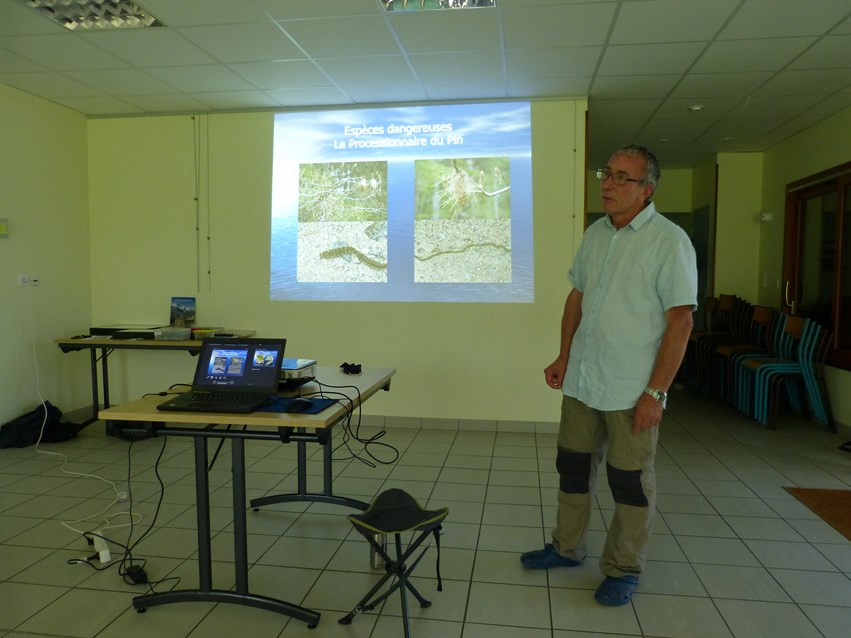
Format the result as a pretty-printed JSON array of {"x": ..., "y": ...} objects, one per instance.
[
  {"x": 737, "y": 224},
  {"x": 818, "y": 148},
  {"x": 454, "y": 360},
  {"x": 43, "y": 195},
  {"x": 104, "y": 211},
  {"x": 673, "y": 194}
]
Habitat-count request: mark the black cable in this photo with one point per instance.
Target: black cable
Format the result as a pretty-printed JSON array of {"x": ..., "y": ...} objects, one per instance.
[
  {"x": 218, "y": 447},
  {"x": 354, "y": 434}
]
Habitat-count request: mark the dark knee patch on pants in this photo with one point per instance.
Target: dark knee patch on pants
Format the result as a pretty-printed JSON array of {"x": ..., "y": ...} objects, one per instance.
[
  {"x": 626, "y": 486},
  {"x": 574, "y": 470}
]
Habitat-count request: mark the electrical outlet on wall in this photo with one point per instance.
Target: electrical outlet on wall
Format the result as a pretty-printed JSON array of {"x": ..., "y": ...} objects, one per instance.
[{"x": 24, "y": 280}]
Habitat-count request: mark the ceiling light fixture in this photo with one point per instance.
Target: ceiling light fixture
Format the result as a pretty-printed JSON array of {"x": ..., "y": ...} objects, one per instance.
[
  {"x": 78, "y": 15},
  {"x": 694, "y": 108},
  {"x": 429, "y": 5}
]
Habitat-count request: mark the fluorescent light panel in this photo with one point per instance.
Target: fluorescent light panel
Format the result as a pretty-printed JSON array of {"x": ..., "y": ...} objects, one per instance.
[
  {"x": 79, "y": 15},
  {"x": 428, "y": 5}
]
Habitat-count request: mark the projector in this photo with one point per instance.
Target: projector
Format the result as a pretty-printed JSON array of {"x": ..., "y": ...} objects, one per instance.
[{"x": 296, "y": 372}]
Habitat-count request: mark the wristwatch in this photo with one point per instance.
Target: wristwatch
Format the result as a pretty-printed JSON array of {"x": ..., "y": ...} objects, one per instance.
[{"x": 659, "y": 395}]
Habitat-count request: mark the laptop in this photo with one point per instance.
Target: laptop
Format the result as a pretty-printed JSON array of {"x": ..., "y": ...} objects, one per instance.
[{"x": 232, "y": 375}]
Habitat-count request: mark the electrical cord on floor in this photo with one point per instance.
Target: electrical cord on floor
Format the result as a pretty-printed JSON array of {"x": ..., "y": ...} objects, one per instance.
[
  {"x": 352, "y": 433},
  {"x": 131, "y": 569},
  {"x": 119, "y": 495}
]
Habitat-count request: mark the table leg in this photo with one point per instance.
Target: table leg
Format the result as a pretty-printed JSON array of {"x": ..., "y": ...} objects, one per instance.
[
  {"x": 205, "y": 591},
  {"x": 95, "y": 393},
  {"x": 302, "y": 495}
]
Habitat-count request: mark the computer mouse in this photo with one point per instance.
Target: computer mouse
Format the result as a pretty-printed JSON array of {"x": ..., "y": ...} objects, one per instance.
[{"x": 299, "y": 404}]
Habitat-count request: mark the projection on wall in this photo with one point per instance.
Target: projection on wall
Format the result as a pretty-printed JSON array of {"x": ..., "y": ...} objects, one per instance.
[{"x": 427, "y": 203}]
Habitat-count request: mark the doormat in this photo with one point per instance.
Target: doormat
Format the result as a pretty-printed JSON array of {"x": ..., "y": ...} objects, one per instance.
[{"x": 833, "y": 506}]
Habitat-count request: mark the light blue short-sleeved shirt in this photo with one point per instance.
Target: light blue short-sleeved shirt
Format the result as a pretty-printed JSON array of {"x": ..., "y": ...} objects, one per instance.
[{"x": 628, "y": 279}]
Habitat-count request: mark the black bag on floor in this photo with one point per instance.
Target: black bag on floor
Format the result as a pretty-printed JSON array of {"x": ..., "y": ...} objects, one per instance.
[{"x": 24, "y": 430}]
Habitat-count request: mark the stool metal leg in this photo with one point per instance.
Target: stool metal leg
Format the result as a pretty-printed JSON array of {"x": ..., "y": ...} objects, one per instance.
[{"x": 393, "y": 568}]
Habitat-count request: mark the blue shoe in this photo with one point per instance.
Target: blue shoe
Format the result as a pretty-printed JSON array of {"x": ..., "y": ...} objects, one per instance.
[
  {"x": 546, "y": 558},
  {"x": 616, "y": 591}
]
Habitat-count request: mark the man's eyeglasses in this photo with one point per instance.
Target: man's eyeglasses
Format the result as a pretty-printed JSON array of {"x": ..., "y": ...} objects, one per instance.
[{"x": 618, "y": 179}]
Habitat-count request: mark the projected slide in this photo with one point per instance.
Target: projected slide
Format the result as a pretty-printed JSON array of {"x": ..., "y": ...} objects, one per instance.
[{"x": 427, "y": 203}]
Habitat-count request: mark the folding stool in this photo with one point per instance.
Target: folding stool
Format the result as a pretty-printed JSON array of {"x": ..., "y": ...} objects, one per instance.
[{"x": 394, "y": 512}]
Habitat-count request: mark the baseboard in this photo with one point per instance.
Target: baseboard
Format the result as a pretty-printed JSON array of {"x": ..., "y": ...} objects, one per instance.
[{"x": 465, "y": 425}]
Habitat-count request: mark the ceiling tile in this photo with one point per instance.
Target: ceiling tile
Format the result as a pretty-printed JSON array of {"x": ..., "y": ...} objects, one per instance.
[
  {"x": 372, "y": 94},
  {"x": 779, "y": 18},
  {"x": 275, "y": 75},
  {"x": 557, "y": 25},
  {"x": 615, "y": 109},
  {"x": 203, "y": 12},
  {"x": 121, "y": 82},
  {"x": 613, "y": 86},
  {"x": 770, "y": 54},
  {"x": 843, "y": 27},
  {"x": 16, "y": 19},
  {"x": 549, "y": 87},
  {"x": 149, "y": 47},
  {"x": 650, "y": 59},
  {"x": 10, "y": 62},
  {"x": 197, "y": 79},
  {"x": 244, "y": 42},
  {"x": 327, "y": 38},
  {"x": 432, "y": 31},
  {"x": 830, "y": 52},
  {"x": 61, "y": 52},
  {"x": 713, "y": 107},
  {"x": 318, "y": 95},
  {"x": 361, "y": 71},
  {"x": 675, "y": 129},
  {"x": 657, "y": 21},
  {"x": 102, "y": 105},
  {"x": 637, "y": 62},
  {"x": 553, "y": 62},
  {"x": 720, "y": 84},
  {"x": 447, "y": 67},
  {"x": 813, "y": 81},
  {"x": 169, "y": 103},
  {"x": 50, "y": 85},
  {"x": 770, "y": 106},
  {"x": 229, "y": 100},
  {"x": 285, "y": 9},
  {"x": 475, "y": 90}
]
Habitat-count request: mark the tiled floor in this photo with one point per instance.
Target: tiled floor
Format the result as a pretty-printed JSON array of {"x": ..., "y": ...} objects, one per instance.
[{"x": 733, "y": 553}]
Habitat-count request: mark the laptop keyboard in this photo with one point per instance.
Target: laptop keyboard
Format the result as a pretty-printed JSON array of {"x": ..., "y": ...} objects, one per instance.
[{"x": 219, "y": 397}]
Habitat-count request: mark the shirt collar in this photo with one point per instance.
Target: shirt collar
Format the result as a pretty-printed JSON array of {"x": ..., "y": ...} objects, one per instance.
[{"x": 639, "y": 220}]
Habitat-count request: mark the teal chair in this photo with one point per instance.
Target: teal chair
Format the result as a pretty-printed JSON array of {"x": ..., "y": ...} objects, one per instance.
[{"x": 793, "y": 376}]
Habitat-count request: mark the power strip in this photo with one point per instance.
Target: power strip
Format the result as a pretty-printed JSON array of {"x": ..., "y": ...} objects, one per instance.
[{"x": 102, "y": 548}]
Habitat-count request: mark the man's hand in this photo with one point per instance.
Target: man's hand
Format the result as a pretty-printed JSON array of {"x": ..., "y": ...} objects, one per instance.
[
  {"x": 647, "y": 414},
  {"x": 554, "y": 373}
]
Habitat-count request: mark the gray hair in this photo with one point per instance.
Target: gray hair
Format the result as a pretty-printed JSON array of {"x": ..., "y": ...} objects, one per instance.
[{"x": 652, "y": 172}]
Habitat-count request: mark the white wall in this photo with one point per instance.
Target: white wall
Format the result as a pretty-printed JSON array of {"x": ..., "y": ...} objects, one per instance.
[
  {"x": 44, "y": 196},
  {"x": 454, "y": 360}
]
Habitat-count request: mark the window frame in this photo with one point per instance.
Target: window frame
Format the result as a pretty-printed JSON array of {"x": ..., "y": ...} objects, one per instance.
[{"x": 838, "y": 180}]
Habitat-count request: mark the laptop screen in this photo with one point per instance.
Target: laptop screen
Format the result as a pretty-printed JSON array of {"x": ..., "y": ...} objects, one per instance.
[{"x": 239, "y": 364}]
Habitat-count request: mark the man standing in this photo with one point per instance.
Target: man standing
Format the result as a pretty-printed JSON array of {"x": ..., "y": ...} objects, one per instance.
[{"x": 624, "y": 331}]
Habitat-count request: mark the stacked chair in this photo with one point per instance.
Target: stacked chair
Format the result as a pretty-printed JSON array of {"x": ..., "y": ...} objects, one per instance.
[
  {"x": 718, "y": 317},
  {"x": 758, "y": 359},
  {"x": 765, "y": 324}
]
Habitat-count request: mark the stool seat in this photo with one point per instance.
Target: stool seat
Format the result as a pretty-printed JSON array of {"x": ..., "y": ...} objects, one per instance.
[{"x": 394, "y": 512}]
